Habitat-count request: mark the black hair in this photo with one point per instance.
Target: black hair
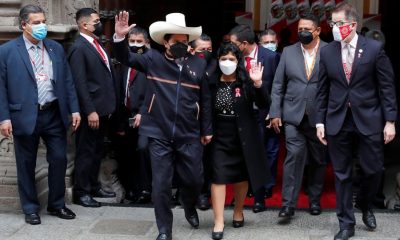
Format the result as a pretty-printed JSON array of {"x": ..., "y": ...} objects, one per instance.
[
  {"x": 242, "y": 76},
  {"x": 25, "y": 11},
  {"x": 137, "y": 31},
  {"x": 266, "y": 32},
  {"x": 203, "y": 37},
  {"x": 243, "y": 33},
  {"x": 83, "y": 13},
  {"x": 311, "y": 17}
]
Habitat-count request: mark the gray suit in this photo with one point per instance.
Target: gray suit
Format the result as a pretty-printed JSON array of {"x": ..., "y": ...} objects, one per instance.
[{"x": 293, "y": 100}]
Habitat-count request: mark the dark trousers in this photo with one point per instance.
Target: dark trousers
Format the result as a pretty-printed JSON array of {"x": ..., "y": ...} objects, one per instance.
[
  {"x": 370, "y": 150},
  {"x": 186, "y": 159},
  {"x": 127, "y": 158},
  {"x": 145, "y": 163},
  {"x": 207, "y": 166},
  {"x": 302, "y": 144},
  {"x": 50, "y": 128},
  {"x": 89, "y": 152},
  {"x": 271, "y": 145}
]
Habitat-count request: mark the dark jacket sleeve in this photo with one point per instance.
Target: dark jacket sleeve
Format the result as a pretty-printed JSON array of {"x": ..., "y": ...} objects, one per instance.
[
  {"x": 73, "y": 102},
  {"x": 261, "y": 96},
  {"x": 206, "y": 111},
  {"x": 323, "y": 91},
  {"x": 138, "y": 93},
  {"x": 78, "y": 66}
]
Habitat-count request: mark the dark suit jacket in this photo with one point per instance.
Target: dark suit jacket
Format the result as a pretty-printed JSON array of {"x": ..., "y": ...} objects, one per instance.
[
  {"x": 94, "y": 81},
  {"x": 293, "y": 94},
  {"x": 270, "y": 61},
  {"x": 18, "y": 88},
  {"x": 370, "y": 93}
]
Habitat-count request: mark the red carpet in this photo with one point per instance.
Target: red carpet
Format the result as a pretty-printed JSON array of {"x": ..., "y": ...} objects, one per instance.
[{"x": 328, "y": 199}]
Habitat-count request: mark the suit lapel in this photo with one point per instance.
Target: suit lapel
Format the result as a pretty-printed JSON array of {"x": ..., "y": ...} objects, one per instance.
[
  {"x": 94, "y": 51},
  {"x": 25, "y": 56},
  {"x": 356, "y": 62},
  {"x": 337, "y": 58},
  {"x": 53, "y": 57},
  {"x": 299, "y": 55},
  {"x": 316, "y": 64}
]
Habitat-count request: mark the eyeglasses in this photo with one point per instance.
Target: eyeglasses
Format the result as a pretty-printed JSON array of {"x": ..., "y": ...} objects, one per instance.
[{"x": 338, "y": 23}]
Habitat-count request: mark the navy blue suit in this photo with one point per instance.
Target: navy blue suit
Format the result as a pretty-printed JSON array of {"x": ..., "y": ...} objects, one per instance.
[
  {"x": 355, "y": 112},
  {"x": 19, "y": 103},
  {"x": 270, "y": 61}
]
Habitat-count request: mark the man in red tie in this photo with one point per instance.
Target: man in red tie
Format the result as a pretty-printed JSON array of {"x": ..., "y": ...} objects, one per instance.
[
  {"x": 94, "y": 80},
  {"x": 243, "y": 36}
]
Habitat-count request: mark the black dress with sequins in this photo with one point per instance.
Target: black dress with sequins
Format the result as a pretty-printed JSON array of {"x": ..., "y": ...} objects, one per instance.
[{"x": 229, "y": 165}]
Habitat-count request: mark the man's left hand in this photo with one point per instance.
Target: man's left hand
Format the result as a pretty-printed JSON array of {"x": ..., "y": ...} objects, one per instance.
[{"x": 389, "y": 132}]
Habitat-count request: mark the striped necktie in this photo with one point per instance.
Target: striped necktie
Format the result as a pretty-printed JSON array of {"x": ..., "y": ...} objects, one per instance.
[{"x": 39, "y": 71}]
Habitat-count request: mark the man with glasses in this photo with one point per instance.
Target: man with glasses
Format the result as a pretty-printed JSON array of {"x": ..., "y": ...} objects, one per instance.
[
  {"x": 356, "y": 104},
  {"x": 244, "y": 37}
]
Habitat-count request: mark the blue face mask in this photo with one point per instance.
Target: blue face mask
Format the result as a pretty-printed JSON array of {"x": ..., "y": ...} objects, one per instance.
[
  {"x": 270, "y": 46},
  {"x": 39, "y": 31}
]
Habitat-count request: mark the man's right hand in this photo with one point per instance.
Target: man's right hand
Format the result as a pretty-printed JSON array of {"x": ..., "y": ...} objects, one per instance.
[
  {"x": 93, "y": 120},
  {"x": 122, "y": 24},
  {"x": 321, "y": 135},
  {"x": 6, "y": 129},
  {"x": 276, "y": 124}
]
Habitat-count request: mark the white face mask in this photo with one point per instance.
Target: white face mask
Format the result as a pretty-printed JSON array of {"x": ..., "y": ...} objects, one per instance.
[
  {"x": 270, "y": 46},
  {"x": 336, "y": 34},
  {"x": 227, "y": 67},
  {"x": 136, "y": 44}
]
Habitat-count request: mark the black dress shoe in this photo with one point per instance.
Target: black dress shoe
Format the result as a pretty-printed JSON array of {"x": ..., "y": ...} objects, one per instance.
[
  {"x": 86, "y": 201},
  {"x": 369, "y": 220},
  {"x": 203, "y": 203},
  {"x": 217, "y": 235},
  {"x": 101, "y": 193},
  {"x": 238, "y": 224},
  {"x": 64, "y": 213},
  {"x": 396, "y": 207},
  {"x": 344, "y": 234},
  {"x": 32, "y": 219},
  {"x": 144, "y": 197},
  {"x": 315, "y": 209},
  {"x": 258, "y": 207},
  {"x": 286, "y": 212},
  {"x": 192, "y": 218},
  {"x": 164, "y": 236},
  {"x": 130, "y": 196}
]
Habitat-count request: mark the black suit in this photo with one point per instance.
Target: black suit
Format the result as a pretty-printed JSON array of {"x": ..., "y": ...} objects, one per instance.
[
  {"x": 96, "y": 92},
  {"x": 134, "y": 170},
  {"x": 355, "y": 111}
]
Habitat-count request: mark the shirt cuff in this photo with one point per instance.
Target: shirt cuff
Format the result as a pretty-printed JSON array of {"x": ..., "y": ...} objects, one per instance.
[
  {"x": 319, "y": 125},
  {"x": 5, "y": 121},
  {"x": 76, "y": 114},
  {"x": 117, "y": 39}
]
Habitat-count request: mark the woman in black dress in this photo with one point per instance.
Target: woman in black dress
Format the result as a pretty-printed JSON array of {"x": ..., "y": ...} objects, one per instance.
[{"x": 237, "y": 151}]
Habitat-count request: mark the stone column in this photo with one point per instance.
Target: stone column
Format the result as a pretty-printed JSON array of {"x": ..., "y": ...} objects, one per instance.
[{"x": 61, "y": 27}]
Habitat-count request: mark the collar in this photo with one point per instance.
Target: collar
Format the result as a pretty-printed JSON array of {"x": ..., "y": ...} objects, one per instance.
[
  {"x": 29, "y": 44},
  {"x": 253, "y": 53},
  {"x": 353, "y": 42},
  {"x": 87, "y": 37}
]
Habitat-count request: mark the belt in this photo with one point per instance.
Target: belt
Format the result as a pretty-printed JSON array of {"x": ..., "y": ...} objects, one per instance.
[{"x": 48, "y": 105}]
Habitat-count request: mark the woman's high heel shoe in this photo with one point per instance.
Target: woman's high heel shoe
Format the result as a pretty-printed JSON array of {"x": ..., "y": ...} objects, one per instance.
[
  {"x": 238, "y": 224},
  {"x": 217, "y": 235}
]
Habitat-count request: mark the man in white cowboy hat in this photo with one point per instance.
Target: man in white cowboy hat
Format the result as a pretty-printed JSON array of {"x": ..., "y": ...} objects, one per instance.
[{"x": 177, "y": 118}]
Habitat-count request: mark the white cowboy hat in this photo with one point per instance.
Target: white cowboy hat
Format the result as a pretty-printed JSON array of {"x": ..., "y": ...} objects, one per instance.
[{"x": 175, "y": 24}]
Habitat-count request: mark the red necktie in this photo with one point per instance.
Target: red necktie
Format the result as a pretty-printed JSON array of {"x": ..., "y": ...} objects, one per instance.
[
  {"x": 96, "y": 43},
  {"x": 248, "y": 63},
  {"x": 132, "y": 74}
]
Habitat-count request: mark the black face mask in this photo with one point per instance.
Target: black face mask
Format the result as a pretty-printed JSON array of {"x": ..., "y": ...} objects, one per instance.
[
  {"x": 178, "y": 50},
  {"x": 98, "y": 29},
  {"x": 305, "y": 37},
  {"x": 206, "y": 55},
  {"x": 138, "y": 50}
]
